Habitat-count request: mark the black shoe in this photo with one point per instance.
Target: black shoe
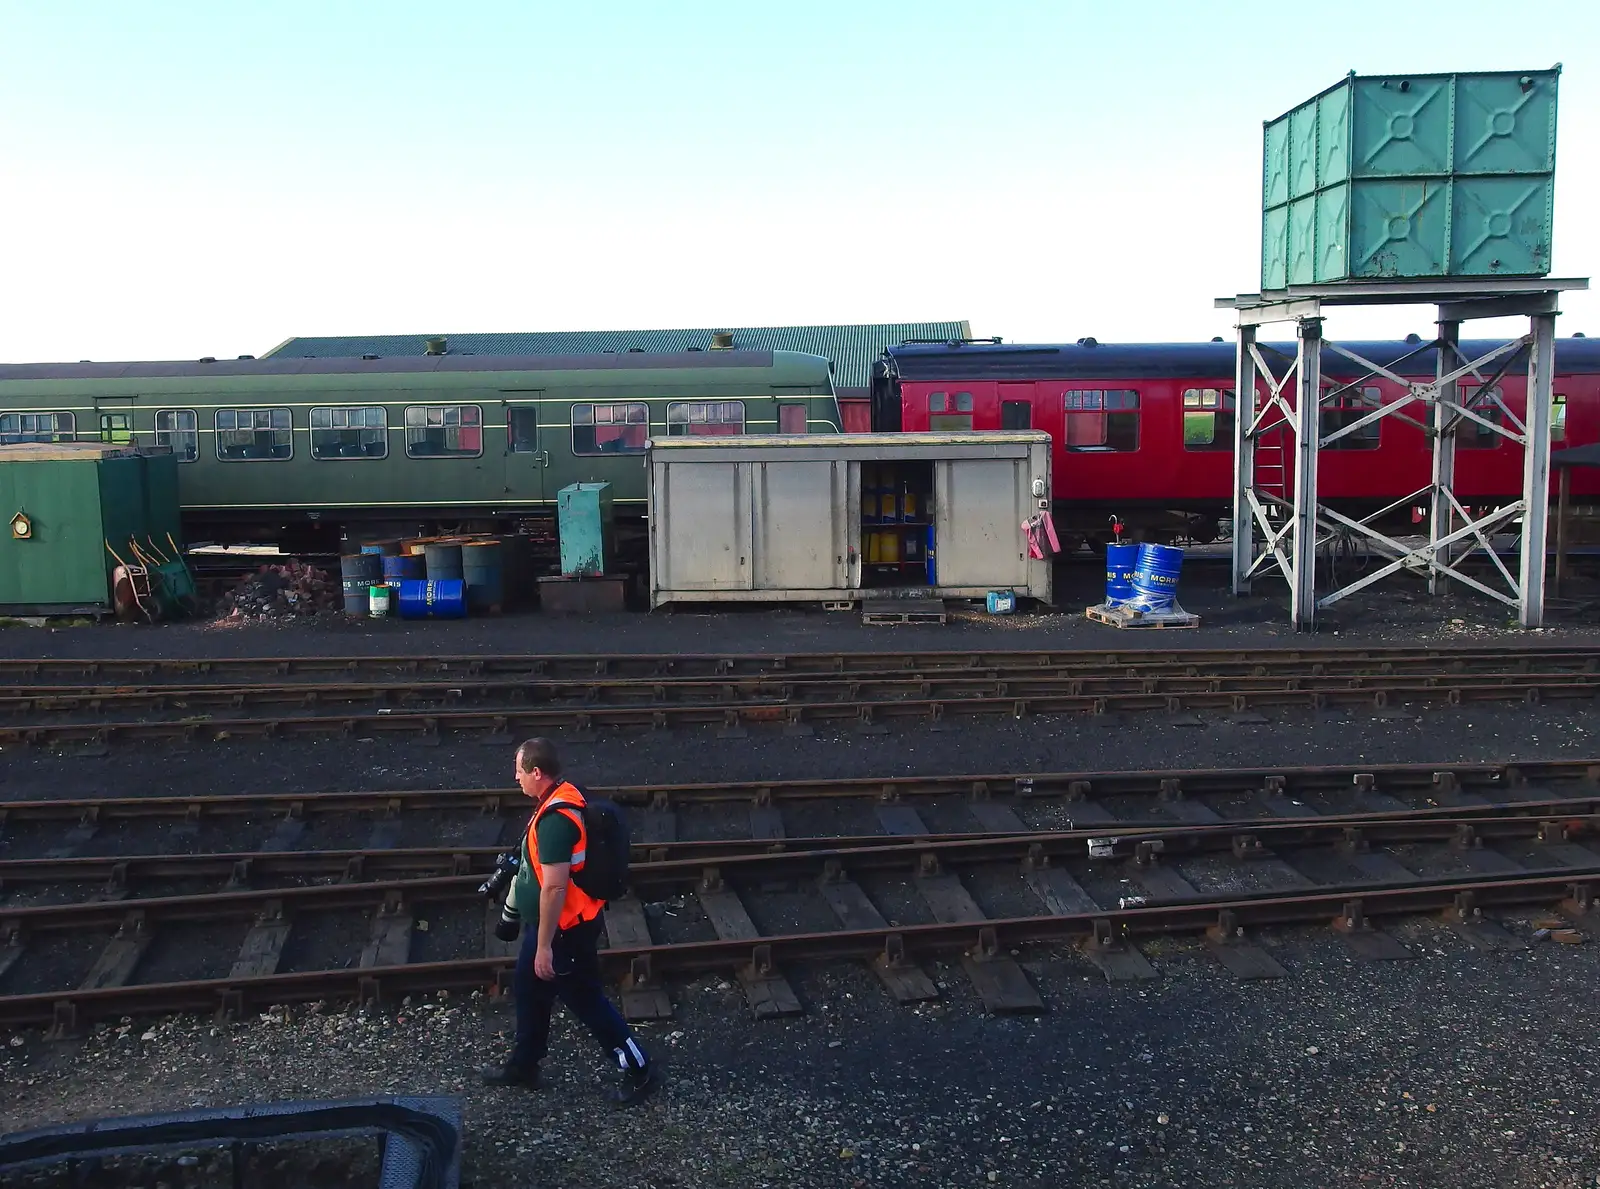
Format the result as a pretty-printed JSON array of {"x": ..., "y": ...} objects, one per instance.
[
  {"x": 510, "y": 1075},
  {"x": 635, "y": 1087}
]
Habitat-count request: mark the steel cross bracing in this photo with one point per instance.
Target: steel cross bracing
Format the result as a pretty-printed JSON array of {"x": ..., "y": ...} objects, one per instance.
[{"x": 1292, "y": 526}]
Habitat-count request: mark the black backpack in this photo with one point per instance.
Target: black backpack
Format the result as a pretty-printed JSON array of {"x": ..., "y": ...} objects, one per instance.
[{"x": 604, "y": 874}]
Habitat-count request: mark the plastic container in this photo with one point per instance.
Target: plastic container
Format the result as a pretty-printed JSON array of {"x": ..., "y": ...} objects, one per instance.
[
  {"x": 359, "y": 573},
  {"x": 443, "y": 599},
  {"x": 378, "y": 601},
  {"x": 1001, "y": 602},
  {"x": 1120, "y": 561},
  {"x": 1155, "y": 579}
]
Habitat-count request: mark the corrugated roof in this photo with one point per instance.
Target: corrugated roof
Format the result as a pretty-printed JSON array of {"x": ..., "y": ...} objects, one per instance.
[
  {"x": 851, "y": 348},
  {"x": 288, "y": 365}
]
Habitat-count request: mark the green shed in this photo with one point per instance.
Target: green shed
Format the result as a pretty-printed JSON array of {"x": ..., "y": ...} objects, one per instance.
[{"x": 64, "y": 503}]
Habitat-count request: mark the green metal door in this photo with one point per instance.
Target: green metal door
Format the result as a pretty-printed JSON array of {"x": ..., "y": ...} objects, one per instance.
[{"x": 527, "y": 455}]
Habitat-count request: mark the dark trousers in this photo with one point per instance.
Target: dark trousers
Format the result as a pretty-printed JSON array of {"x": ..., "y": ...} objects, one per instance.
[{"x": 577, "y": 984}]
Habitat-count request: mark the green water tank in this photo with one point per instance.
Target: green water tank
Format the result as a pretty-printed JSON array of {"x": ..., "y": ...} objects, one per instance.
[{"x": 1411, "y": 177}]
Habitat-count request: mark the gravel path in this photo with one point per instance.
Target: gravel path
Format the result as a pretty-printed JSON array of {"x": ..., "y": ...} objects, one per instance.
[
  {"x": 1060, "y": 743},
  {"x": 1394, "y": 615},
  {"x": 1456, "y": 1069}
]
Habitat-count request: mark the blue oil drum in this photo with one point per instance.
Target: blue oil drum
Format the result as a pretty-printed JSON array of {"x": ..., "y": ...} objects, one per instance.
[
  {"x": 358, "y": 573},
  {"x": 483, "y": 569},
  {"x": 1120, "y": 560},
  {"x": 444, "y": 599},
  {"x": 443, "y": 560},
  {"x": 1155, "y": 578},
  {"x": 400, "y": 566}
]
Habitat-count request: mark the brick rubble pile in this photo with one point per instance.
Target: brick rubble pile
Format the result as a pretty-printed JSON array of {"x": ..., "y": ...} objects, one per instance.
[{"x": 282, "y": 592}]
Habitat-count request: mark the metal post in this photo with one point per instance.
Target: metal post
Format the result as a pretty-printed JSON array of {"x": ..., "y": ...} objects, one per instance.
[
  {"x": 1441, "y": 516},
  {"x": 1563, "y": 513},
  {"x": 1244, "y": 461},
  {"x": 1308, "y": 432},
  {"x": 1536, "y": 468}
]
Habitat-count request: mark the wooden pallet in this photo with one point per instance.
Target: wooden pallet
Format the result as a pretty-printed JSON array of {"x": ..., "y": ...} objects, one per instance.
[
  {"x": 903, "y": 611},
  {"x": 1126, "y": 617}
]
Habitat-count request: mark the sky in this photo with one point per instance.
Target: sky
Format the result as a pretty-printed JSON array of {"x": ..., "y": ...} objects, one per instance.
[{"x": 179, "y": 180}]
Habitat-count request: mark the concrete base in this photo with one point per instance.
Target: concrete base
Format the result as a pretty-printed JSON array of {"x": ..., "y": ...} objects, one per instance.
[{"x": 583, "y": 596}]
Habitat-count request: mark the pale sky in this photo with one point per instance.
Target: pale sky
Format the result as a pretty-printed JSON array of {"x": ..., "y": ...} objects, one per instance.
[{"x": 179, "y": 180}]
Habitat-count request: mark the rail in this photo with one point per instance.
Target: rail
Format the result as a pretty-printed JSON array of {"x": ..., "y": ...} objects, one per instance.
[{"x": 580, "y": 666}]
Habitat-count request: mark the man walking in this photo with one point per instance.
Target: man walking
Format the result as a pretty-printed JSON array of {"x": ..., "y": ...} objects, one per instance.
[{"x": 558, "y": 958}]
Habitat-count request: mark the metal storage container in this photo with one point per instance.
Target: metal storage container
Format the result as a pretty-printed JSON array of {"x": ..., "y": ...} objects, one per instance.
[
  {"x": 780, "y": 518},
  {"x": 584, "y": 520},
  {"x": 64, "y": 504},
  {"x": 1411, "y": 176}
]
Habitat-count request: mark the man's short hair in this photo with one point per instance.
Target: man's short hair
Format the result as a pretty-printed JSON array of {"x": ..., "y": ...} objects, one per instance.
[{"x": 540, "y": 754}]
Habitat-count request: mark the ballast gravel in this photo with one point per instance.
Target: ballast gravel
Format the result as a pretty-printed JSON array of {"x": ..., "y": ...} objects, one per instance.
[{"x": 1455, "y": 1069}]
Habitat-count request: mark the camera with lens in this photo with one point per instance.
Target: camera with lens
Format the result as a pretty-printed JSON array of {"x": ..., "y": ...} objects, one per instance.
[{"x": 505, "y": 870}]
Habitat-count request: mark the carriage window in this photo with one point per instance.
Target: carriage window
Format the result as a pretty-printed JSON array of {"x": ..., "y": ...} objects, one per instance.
[
  {"x": 1346, "y": 409},
  {"x": 610, "y": 429},
  {"x": 116, "y": 428},
  {"x": 357, "y": 432},
  {"x": 1016, "y": 414},
  {"x": 948, "y": 413},
  {"x": 36, "y": 427},
  {"x": 1469, "y": 434},
  {"x": 522, "y": 429},
  {"x": 179, "y": 429},
  {"x": 1098, "y": 420},
  {"x": 253, "y": 435},
  {"x": 705, "y": 418},
  {"x": 1208, "y": 419},
  {"x": 444, "y": 431},
  {"x": 1558, "y": 418},
  {"x": 792, "y": 419}
]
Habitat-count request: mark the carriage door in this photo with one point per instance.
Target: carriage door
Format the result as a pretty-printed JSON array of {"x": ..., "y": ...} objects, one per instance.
[
  {"x": 113, "y": 422},
  {"x": 527, "y": 453}
]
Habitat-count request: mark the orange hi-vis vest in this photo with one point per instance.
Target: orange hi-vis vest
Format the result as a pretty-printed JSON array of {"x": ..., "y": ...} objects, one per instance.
[{"x": 579, "y": 906}]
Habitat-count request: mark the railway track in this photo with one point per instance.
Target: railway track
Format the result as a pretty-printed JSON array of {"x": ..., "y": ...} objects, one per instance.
[
  {"x": 992, "y": 801},
  {"x": 899, "y": 899},
  {"x": 796, "y": 708},
  {"x": 578, "y": 667},
  {"x": 1058, "y": 871}
]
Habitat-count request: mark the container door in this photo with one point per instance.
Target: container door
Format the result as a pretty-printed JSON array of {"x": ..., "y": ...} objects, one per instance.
[
  {"x": 979, "y": 505},
  {"x": 798, "y": 542},
  {"x": 702, "y": 512},
  {"x": 527, "y": 454}
]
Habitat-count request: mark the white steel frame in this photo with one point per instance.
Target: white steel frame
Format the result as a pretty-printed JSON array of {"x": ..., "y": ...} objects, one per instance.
[{"x": 1292, "y": 403}]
